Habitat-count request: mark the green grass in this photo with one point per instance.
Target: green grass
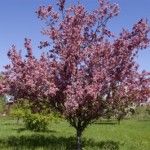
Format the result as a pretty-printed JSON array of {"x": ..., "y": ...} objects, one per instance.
[{"x": 130, "y": 135}]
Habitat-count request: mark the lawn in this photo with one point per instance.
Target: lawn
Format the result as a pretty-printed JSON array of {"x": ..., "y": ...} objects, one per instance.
[{"x": 130, "y": 135}]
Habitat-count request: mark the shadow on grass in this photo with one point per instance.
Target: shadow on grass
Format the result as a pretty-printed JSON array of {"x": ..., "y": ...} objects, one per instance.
[
  {"x": 36, "y": 141},
  {"x": 20, "y": 130},
  {"x": 106, "y": 123},
  {"x": 24, "y": 129}
]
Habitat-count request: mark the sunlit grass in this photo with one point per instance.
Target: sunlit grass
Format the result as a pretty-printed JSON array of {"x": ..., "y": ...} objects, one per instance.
[{"x": 130, "y": 135}]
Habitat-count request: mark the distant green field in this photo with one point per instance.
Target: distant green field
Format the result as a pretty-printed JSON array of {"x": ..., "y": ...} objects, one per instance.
[{"x": 130, "y": 135}]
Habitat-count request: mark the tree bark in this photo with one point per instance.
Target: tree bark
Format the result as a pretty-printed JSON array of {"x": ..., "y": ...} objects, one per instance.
[
  {"x": 79, "y": 145},
  {"x": 17, "y": 120},
  {"x": 119, "y": 121}
]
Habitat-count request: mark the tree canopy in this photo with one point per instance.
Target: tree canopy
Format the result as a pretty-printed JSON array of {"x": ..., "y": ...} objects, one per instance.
[{"x": 83, "y": 69}]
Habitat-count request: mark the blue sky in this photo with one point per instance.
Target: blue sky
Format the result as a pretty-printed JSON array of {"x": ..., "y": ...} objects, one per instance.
[{"x": 18, "y": 20}]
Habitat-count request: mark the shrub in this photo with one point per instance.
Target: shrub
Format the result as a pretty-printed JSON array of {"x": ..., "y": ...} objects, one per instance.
[
  {"x": 19, "y": 109},
  {"x": 36, "y": 122},
  {"x": 148, "y": 109},
  {"x": 2, "y": 103},
  {"x": 142, "y": 113}
]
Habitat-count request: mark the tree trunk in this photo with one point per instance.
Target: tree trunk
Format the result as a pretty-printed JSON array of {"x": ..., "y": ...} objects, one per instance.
[
  {"x": 17, "y": 120},
  {"x": 119, "y": 121},
  {"x": 79, "y": 133}
]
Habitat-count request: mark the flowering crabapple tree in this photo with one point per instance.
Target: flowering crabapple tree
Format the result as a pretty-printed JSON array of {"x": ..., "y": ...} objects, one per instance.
[{"x": 83, "y": 68}]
